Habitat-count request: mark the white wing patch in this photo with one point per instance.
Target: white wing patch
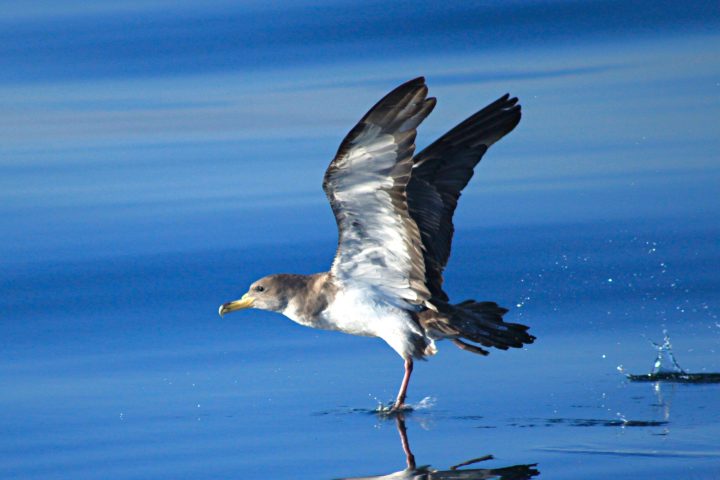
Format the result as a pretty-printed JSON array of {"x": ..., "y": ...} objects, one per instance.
[
  {"x": 379, "y": 248},
  {"x": 375, "y": 248}
]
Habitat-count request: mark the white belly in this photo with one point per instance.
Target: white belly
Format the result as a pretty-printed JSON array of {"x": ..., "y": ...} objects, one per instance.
[{"x": 355, "y": 312}]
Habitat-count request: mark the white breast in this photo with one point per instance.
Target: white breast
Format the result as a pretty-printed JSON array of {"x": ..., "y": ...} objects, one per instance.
[{"x": 357, "y": 312}]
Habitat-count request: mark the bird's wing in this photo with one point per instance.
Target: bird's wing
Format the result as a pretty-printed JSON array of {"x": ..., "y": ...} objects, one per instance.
[
  {"x": 379, "y": 245},
  {"x": 442, "y": 170}
]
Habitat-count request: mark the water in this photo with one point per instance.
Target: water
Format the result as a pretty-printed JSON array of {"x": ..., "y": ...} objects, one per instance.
[
  {"x": 116, "y": 373},
  {"x": 412, "y": 470},
  {"x": 155, "y": 159},
  {"x": 667, "y": 369},
  {"x": 665, "y": 361}
]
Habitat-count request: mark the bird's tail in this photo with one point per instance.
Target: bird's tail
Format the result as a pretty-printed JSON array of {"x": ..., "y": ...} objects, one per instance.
[{"x": 481, "y": 323}]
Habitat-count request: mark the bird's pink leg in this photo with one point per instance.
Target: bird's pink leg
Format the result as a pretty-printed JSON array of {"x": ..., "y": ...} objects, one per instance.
[{"x": 400, "y": 401}]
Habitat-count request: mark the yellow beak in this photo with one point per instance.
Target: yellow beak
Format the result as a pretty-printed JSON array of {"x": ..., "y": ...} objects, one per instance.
[{"x": 245, "y": 302}]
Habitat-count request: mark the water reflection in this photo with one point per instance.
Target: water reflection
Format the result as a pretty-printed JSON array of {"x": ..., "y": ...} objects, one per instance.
[
  {"x": 664, "y": 403},
  {"x": 456, "y": 472}
]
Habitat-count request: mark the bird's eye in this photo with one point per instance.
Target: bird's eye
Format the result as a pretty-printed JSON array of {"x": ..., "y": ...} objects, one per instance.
[{"x": 259, "y": 288}]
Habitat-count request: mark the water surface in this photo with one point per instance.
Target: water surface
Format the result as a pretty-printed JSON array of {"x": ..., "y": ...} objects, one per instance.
[{"x": 155, "y": 159}]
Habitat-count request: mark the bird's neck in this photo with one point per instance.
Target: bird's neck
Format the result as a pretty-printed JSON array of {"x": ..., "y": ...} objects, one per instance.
[{"x": 308, "y": 296}]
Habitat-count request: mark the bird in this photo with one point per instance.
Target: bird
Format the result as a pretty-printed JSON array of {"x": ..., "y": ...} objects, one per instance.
[{"x": 394, "y": 213}]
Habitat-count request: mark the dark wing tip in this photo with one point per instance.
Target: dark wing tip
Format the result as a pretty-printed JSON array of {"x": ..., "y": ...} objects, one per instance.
[
  {"x": 511, "y": 101},
  {"x": 414, "y": 85},
  {"x": 414, "y": 82},
  {"x": 429, "y": 106},
  {"x": 411, "y": 85},
  {"x": 505, "y": 102},
  {"x": 405, "y": 102}
]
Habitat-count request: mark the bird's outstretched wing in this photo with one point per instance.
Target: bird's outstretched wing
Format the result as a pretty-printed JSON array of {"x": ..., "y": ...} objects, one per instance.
[
  {"x": 439, "y": 174},
  {"x": 379, "y": 244}
]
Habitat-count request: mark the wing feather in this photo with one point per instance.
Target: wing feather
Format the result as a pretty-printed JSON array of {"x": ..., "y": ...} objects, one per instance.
[
  {"x": 379, "y": 245},
  {"x": 440, "y": 173}
]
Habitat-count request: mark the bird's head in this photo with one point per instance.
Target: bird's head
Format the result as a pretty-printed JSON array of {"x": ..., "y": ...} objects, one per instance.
[{"x": 264, "y": 294}]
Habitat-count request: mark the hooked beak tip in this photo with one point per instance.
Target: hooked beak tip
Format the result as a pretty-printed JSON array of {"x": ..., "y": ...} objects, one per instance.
[{"x": 245, "y": 302}]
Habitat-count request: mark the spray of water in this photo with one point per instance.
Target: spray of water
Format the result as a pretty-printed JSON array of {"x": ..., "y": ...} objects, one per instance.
[
  {"x": 667, "y": 369},
  {"x": 665, "y": 361},
  {"x": 386, "y": 408}
]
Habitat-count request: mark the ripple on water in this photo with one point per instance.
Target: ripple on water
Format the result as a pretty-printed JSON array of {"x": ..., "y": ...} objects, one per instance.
[{"x": 634, "y": 452}]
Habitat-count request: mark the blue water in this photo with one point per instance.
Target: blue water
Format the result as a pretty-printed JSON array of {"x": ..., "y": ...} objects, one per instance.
[{"x": 155, "y": 158}]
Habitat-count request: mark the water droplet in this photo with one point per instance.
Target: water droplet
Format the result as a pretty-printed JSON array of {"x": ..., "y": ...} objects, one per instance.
[{"x": 665, "y": 361}]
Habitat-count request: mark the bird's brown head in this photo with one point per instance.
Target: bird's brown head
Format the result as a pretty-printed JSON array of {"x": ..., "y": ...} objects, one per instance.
[{"x": 268, "y": 293}]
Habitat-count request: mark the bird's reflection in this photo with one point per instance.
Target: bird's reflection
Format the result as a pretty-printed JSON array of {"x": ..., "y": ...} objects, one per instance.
[{"x": 456, "y": 472}]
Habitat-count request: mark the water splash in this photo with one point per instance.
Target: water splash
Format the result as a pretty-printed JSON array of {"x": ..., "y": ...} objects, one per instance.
[
  {"x": 665, "y": 361},
  {"x": 667, "y": 369},
  {"x": 424, "y": 404},
  {"x": 386, "y": 408}
]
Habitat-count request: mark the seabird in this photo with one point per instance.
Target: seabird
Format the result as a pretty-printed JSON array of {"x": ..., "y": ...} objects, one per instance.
[{"x": 394, "y": 215}]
